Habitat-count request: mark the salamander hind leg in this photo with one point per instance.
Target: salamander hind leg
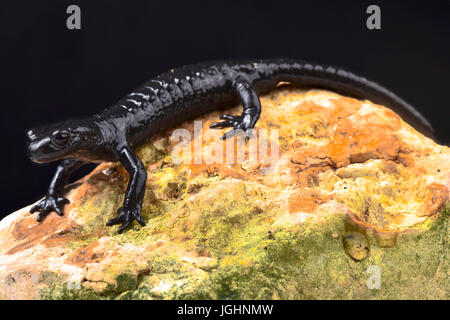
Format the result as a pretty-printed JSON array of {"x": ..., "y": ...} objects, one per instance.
[{"x": 247, "y": 120}]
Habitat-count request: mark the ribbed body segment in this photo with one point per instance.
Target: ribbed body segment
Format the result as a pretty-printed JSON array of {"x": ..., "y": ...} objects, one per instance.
[{"x": 189, "y": 91}]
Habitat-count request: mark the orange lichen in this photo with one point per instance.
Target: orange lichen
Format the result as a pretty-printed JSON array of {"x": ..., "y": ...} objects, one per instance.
[
  {"x": 306, "y": 200},
  {"x": 437, "y": 196}
]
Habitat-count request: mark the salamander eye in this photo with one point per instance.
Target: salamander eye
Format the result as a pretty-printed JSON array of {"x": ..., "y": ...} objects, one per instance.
[{"x": 60, "y": 138}]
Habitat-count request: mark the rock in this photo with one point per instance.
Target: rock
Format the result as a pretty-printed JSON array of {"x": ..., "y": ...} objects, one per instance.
[
  {"x": 352, "y": 188},
  {"x": 356, "y": 245},
  {"x": 386, "y": 239}
]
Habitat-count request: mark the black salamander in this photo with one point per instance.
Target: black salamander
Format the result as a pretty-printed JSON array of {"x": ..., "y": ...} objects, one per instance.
[{"x": 176, "y": 96}]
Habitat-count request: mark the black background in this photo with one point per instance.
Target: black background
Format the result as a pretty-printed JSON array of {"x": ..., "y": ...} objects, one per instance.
[{"x": 50, "y": 73}]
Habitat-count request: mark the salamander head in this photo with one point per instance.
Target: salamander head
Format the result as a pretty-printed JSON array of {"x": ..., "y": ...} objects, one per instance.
[{"x": 59, "y": 141}]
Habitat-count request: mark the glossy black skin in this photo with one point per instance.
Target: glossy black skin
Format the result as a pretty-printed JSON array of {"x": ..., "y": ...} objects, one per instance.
[{"x": 174, "y": 97}]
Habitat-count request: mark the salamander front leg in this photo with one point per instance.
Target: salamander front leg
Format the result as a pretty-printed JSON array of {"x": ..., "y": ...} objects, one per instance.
[
  {"x": 247, "y": 120},
  {"x": 54, "y": 201},
  {"x": 134, "y": 195}
]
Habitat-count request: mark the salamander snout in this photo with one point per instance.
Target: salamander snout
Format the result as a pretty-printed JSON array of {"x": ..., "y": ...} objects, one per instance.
[
  {"x": 30, "y": 136},
  {"x": 37, "y": 151},
  {"x": 38, "y": 147}
]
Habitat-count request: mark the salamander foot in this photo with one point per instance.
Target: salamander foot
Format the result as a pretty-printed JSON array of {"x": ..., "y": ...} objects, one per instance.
[
  {"x": 126, "y": 217},
  {"x": 242, "y": 123},
  {"x": 48, "y": 204}
]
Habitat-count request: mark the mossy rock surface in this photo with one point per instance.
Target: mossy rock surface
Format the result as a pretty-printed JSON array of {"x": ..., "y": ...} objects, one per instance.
[{"x": 354, "y": 206}]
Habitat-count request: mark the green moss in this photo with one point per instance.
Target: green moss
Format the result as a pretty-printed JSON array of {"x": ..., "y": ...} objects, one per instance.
[
  {"x": 258, "y": 261},
  {"x": 310, "y": 263},
  {"x": 167, "y": 279},
  {"x": 81, "y": 241},
  {"x": 219, "y": 225},
  {"x": 126, "y": 281},
  {"x": 169, "y": 177},
  {"x": 94, "y": 213},
  {"x": 57, "y": 289},
  {"x": 150, "y": 154}
]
